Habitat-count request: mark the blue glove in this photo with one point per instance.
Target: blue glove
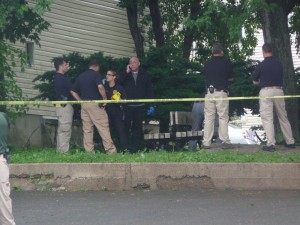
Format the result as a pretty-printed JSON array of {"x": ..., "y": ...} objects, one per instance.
[{"x": 151, "y": 111}]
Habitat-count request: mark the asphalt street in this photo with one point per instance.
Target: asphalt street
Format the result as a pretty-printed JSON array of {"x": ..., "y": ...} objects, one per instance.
[{"x": 157, "y": 208}]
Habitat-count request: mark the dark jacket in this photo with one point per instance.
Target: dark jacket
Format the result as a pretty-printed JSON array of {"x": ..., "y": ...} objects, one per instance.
[{"x": 140, "y": 89}]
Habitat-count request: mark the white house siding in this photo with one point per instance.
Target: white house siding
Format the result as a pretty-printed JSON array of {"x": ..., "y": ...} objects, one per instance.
[
  {"x": 258, "y": 51},
  {"x": 84, "y": 26}
]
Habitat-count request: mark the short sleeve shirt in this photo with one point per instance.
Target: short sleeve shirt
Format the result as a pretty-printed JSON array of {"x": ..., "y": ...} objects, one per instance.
[
  {"x": 269, "y": 72},
  {"x": 217, "y": 71},
  {"x": 62, "y": 86},
  {"x": 86, "y": 85}
]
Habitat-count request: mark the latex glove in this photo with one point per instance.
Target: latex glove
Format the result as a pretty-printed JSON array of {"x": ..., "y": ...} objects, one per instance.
[{"x": 151, "y": 111}]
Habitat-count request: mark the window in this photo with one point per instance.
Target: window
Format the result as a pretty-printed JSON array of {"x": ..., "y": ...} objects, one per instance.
[{"x": 30, "y": 53}]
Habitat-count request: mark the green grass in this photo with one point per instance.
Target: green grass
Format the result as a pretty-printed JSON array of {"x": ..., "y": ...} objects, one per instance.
[{"x": 47, "y": 155}]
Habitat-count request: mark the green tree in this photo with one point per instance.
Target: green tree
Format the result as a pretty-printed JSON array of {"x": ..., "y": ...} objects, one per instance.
[
  {"x": 19, "y": 22},
  {"x": 277, "y": 31}
]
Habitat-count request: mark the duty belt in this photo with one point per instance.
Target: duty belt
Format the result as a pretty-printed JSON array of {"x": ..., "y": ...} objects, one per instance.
[{"x": 216, "y": 89}]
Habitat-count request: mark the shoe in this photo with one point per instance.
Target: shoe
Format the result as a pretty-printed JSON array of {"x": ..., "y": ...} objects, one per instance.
[
  {"x": 290, "y": 145},
  {"x": 270, "y": 148},
  {"x": 205, "y": 147}
]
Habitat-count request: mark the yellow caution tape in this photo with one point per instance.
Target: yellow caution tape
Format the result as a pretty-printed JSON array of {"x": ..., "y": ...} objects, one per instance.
[{"x": 141, "y": 100}]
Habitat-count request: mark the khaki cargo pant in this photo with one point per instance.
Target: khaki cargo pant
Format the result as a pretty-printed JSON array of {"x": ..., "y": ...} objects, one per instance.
[
  {"x": 266, "y": 108},
  {"x": 64, "y": 130},
  {"x": 221, "y": 107},
  {"x": 92, "y": 114},
  {"x": 6, "y": 217}
]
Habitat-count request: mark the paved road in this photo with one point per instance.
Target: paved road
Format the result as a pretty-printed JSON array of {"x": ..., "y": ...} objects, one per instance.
[{"x": 158, "y": 208}]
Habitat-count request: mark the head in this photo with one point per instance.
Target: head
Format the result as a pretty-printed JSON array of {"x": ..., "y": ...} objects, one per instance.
[
  {"x": 267, "y": 50},
  {"x": 111, "y": 76},
  {"x": 60, "y": 65},
  {"x": 217, "y": 49},
  {"x": 134, "y": 63},
  {"x": 94, "y": 65}
]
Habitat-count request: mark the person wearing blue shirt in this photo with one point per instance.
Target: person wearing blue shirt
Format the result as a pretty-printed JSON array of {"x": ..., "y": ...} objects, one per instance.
[
  {"x": 115, "y": 111},
  {"x": 88, "y": 86},
  {"x": 269, "y": 76},
  {"x": 64, "y": 112}
]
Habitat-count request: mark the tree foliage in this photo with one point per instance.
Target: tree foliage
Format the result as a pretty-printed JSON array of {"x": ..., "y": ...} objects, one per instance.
[{"x": 19, "y": 22}]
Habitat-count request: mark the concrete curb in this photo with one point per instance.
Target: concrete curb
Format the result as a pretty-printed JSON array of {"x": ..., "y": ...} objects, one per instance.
[{"x": 155, "y": 176}]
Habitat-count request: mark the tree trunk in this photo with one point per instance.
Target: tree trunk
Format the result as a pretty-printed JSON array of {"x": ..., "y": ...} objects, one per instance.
[
  {"x": 276, "y": 32},
  {"x": 132, "y": 15},
  {"x": 156, "y": 23},
  {"x": 189, "y": 34},
  {"x": 2, "y": 93}
]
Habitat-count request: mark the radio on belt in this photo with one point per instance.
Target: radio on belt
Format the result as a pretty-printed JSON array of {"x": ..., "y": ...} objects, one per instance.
[{"x": 211, "y": 89}]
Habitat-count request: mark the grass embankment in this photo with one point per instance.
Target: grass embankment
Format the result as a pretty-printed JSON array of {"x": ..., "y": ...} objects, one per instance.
[{"x": 47, "y": 155}]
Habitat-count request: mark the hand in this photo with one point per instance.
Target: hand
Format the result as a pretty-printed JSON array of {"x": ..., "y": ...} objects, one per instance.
[
  {"x": 151, "y": 111},
  {"x": 128, "y": 69}
]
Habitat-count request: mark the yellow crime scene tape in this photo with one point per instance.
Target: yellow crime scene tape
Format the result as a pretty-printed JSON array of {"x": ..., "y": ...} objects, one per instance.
[{"x": 141, "y": 100}]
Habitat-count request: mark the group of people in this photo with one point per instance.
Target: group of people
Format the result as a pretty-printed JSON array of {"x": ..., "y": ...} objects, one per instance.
[
  {"x": 132, "y": 84},
  {"x": 218, "y": 73},
  {"x": 136, "y": 84}
]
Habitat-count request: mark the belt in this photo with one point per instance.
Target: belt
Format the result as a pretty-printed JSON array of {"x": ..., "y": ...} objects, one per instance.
[
  {"x": 221, "y": 90},
  {"x": 272, "y": 87}
]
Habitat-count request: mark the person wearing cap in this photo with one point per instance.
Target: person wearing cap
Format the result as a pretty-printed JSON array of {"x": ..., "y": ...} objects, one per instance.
[
  {"x": 218, "y": 72},
  {"x": 269, "y": 76},
  {"x": 64, "y": 112},
  {"x": 88, "y": 86},
  {"x": 6, "y": 216}
]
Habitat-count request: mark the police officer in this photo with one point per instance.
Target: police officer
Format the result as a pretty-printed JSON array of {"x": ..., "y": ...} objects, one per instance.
[
  {"x": 137, "y": 85},
  {"x": 218, "y": 72},
  {"x": 116, "y": 111},
  {"x": 269, "y": 76},
  {"x": 6, "y": 217},
  {"x": 64, "y": 112},
  {"x": 88, "y": 86}
]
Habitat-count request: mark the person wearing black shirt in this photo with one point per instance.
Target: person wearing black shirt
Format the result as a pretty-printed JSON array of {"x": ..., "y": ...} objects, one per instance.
[
  {"x": 137, "y": 85},
  {"x": 64, "y": 112},
  {"x": 88, "y": 86},
  {"x": 218, "y": 72},
  {"x": 115, "y": 111},
  {"x": 269, "y": 75}
]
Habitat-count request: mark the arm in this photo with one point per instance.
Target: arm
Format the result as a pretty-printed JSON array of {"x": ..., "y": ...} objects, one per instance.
[
  {"x": 123, "y": 76},
  {"x": 75, "y": 96},
  {"x": 102, "y": 91},
  {"x": 256, "y": 82}
]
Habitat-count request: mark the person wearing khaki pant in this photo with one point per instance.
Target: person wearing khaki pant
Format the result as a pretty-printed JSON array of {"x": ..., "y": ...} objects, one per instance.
[
  {"x": 6, "y": 216},
  {"x": 266, "y": 113},
  {"x": 92, "y": 114},
  {"x": 88, "y": 86},
  {"x": 269, "y": 76},
  {"x": 218, "y": 72},
  {"x": 64, "y": 112}
]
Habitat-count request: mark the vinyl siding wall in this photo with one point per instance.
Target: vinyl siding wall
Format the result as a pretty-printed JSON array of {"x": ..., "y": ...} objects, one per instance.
[{"x": 84, "y": 26}]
